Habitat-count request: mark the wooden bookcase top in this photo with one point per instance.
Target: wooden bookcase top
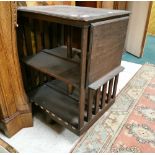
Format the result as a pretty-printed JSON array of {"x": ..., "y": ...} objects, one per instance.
[{"x": 83, "y": 14}]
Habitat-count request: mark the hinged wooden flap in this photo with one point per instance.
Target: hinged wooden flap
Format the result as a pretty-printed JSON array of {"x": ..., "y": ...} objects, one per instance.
[
  {"x": 106, "y": 78},
  {"x": 106, "y": 46}
]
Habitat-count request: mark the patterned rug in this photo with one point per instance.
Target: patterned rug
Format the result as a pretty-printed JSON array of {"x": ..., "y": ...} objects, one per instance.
[
  {"x": 6, "y": 148},
  {"x": 129, "y": 125}
]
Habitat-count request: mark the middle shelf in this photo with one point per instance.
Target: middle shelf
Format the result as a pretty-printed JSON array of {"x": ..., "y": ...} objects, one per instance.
[{"x": 55, "y": 66}]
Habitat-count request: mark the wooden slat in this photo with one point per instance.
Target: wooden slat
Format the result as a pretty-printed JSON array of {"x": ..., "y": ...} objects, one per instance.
[
  {"x": 38, "y": 35},
  {"x": 104, "y": 92},
  {"x": 20, "y": 40},
  {"x": 46, "y": 40},
  {"x": 54, "y": 30},
  {"x": 69, "y": 42},
  {"x": 62, "y": 35},
  {"x": 28, "y": 41},
  {"x": 90, "y": 104},
  {"x": 97, "y": 101},
  {"x": 110, "y": 90},
  {"x": 20, "y": 44},
  {"x": 29, "y": 49},
  {"x": 95, "y": 118},
  {"x": 38, "y": 28},
  {"x": 115, "y": 86},
  {"x": 46, "y": 35}
]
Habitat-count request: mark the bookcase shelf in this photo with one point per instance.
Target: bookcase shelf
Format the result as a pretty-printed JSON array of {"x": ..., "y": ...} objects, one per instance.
[
  {"x": 55, "y": 102},
  {"x": 61, "y": 52},
  {"x": 67, "y": 71}
]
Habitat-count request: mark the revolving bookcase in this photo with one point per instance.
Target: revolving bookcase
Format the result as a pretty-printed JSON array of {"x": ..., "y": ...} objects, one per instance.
[{"x": 70, "y": 60}]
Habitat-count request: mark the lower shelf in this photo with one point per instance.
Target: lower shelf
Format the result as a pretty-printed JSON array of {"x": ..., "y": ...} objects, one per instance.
[
  {"x": 63, "y": 105},
  {"x": 59, "y": 105},
  {"x": 63, "y": 88}
]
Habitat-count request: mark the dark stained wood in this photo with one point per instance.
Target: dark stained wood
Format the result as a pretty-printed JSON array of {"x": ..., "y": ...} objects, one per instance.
[
  {"x": 46, "y": 97},
  {"x": 46, "y": 35},
  {"x": 38, "y": 35},
  {"x": 55, "y": 67},
  {"x": 20, "y": 44},
  {"x": 76, "y": 37},
  {"x": 95, "y": 118},
  {"x": 80, "y": 53},
  {"x": 90, "y": 104},
  {"x": 29, "y": 49},
  {"x": 106, "y": 78},
  {"x": 97, "y": 101},
  {"x": 63, "y": 88},
  {"x": 104, "y": 93},
  {"x": 115, "y": 86},
  {"x": 73, "y": 13},
  {"x": 61, "y": 52},
  {"x": 62, "y": 34},
  {"x": 84, "y": 41},
  {"x": 86, "y": 3},
  {"x": 54, "y": 31},
  {"x": 69, "y": 42},
  {"x": 28, "y": 40},
  {"x": 110, "y": 90},
  {"x": 106, "y": 50}
]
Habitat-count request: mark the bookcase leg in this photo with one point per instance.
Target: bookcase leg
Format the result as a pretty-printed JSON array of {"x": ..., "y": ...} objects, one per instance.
[
  {"x": 90, "y": 104},
  {"x": 84, "y": 38}
]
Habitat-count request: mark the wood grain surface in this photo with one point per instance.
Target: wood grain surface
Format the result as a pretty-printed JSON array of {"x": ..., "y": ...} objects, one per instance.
[{"x": 14, "y": 109}]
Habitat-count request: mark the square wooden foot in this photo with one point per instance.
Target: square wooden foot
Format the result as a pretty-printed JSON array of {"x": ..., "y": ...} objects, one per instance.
[{"x": 11, "y": 126}]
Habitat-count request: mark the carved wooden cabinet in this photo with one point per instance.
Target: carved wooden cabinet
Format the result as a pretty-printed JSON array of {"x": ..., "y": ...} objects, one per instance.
[
  {"x": 70, "y": 59},
  {"x": 15, "y": 112}
]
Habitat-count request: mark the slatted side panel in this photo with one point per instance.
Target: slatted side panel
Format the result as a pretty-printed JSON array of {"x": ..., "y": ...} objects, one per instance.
[
  {"x": 105, "y": 48},
  {"x": 25, "y": 48},
  {"x": 34, "y": 35},
  {"x": 99, "y": 99}
]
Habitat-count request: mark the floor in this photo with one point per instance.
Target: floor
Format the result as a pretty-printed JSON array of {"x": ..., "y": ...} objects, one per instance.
[
  {"x": 149, "y": 53},
  {"x": 53, "y": 138}
]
